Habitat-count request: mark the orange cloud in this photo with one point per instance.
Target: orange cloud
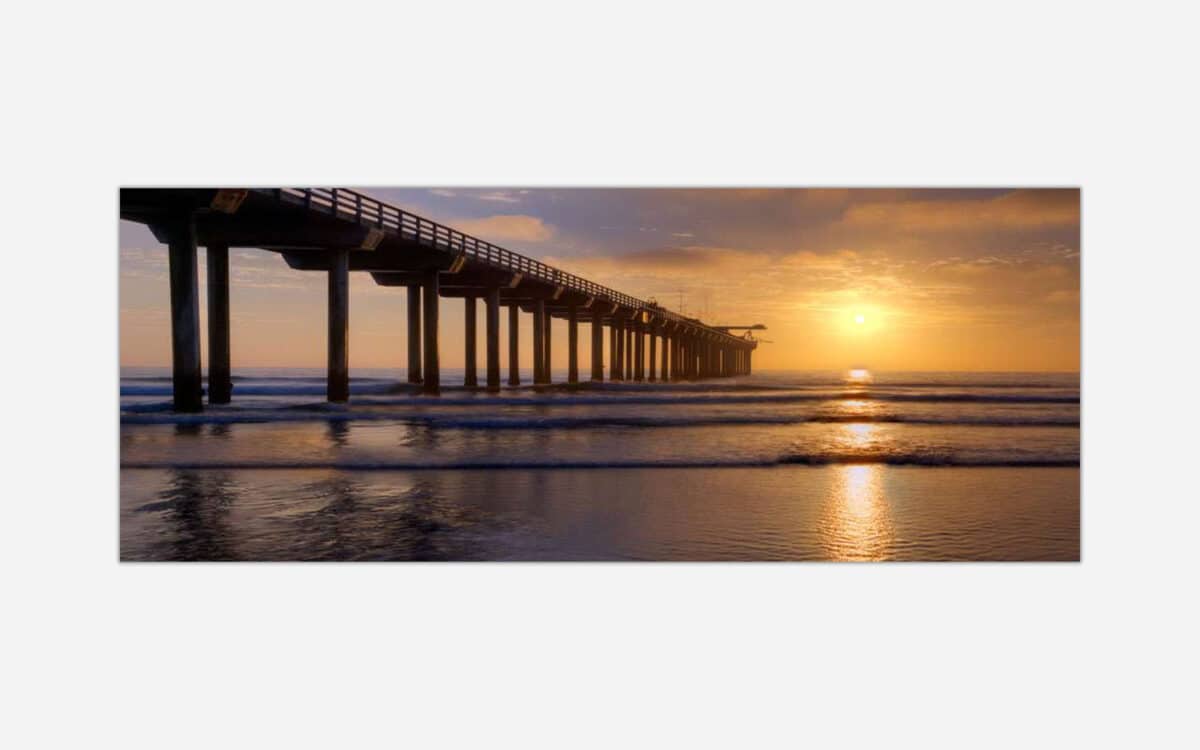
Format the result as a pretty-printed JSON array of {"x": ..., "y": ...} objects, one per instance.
[
  {"x": 506, "y": 227},
  {"x": 1021, "y": 209}
]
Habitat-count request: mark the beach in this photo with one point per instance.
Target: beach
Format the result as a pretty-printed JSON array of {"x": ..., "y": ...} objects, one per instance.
[{"x": 773, "y": 466}]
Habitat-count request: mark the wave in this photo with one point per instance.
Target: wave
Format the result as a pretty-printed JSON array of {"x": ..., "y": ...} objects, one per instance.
[
  {"x": 254, "y": 378},
  {"x": 830, "y": 384},
  {"x": 293, "y": 387},
  {"x": 555, "y": 423},
  {"x": 805, "y": 459},
  {"x": 161, "y": 414},
  {"x": 702, "y": 385},
  {"x": 369, "y": 393}
]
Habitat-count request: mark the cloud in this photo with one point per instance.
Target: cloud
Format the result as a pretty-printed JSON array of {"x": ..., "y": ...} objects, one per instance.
[
  {"x": 691, "y": 260},
  {"x": 814, "y": 286},
  {"x": 506, "y": 227},
  {"x": 1070, "y": 296},
  {"x": 248, "y": 268},
  {"x": 500, "y": 196},
  {"x": 1020, "y": 209}
]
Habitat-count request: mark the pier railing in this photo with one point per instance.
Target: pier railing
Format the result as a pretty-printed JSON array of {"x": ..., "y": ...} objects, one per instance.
[{"x": 351, "y": 205}]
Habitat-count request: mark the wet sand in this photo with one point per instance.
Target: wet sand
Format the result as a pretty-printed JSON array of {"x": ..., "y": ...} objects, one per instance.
[{"x": 841, "y": 512}]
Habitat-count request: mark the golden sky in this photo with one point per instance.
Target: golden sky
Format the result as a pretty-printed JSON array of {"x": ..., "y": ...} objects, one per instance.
[{"x": 888, "y": 279}]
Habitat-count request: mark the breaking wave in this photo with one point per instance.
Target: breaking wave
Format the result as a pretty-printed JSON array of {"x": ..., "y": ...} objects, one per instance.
[{"x": 807, "y": 459}]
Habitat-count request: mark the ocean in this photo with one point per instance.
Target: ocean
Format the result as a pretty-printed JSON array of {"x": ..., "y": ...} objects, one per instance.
[{"x": 774, "y": 466}]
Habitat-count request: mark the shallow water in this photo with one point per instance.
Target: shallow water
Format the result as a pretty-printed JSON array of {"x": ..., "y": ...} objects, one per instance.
[
  {"x": 791, "y": 466},
  {"x": 853, "y": 512}
]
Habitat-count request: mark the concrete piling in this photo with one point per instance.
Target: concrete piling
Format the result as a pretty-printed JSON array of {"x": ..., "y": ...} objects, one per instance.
[
  {"x": 220, "y": 380},
  {"x": 614, "y": 349},
  {"x": 433, "y": 373},
  {"x": 547, "y": 319},
  {"x": 629, "y": 351},
  {"x": 185, "y": 316},
  {"x": 539, "y": 334},
  {"x": 337, "y": 385},
  {"x": 651, "y": 360},
  {"x": 572, "y": 343},
  {"x": 514, "y": 350},
  {"x": 414, "y": 333},
  {"x": 597, "y": 348},
  {"x": 492, "y": 332},
  {"x": 639, "y": 353},
  {"x": 664, "y": 364},
  {"x": 470, "y": 344}
]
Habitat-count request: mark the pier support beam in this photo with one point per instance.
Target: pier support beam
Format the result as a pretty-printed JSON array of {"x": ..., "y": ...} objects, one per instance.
[
  {"x": 539, "y": 333},
  {"x": 665, "y": 356},
  {"x": 629, "y": 351},
  {"x": 185, "y": 316},
  {"x": 622, "y": 354},
  {"x": 514, "y": 347},
  {"x": 492, "y": 331},
  {"x": 623, "y": 346},
  {"x": 572, "y": 343},
  {"x": 337, "y": 386},
  {"x": 597, "y": 348},
  {"x": 613, "y": 351},
  {"x": 652, "y": 359},
  {"x": 639, "y": 353},
  {"x": 471, "y": 378},
  {"x": 547, "y": 319},
  {"x": 433, "y": 371},
  {"x": 220, "y": 380},
  {"x": 616, "y": 368},
  {"x": 414, "y": 333}
]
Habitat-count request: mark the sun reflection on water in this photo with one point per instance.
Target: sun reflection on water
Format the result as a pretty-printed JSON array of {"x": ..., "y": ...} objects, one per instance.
[
  {"x": 858, "y": 439},
  {"x": 857, "y": 523},
  {"x": 859, "y": 375},
  {"x": 859, "y": 435}
]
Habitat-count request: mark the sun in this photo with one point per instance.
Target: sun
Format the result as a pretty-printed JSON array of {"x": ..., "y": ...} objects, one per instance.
[{"x": 860, "y": 319}]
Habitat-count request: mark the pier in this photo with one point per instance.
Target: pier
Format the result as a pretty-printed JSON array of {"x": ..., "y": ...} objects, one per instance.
[{"x": 337, "y": 231}]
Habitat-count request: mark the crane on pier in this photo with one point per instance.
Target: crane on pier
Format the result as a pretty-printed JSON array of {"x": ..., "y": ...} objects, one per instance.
[{"x": 748, "y": 335}]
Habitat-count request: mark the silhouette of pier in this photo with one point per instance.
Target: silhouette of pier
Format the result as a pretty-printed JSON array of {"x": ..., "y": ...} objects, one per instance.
[{"x": 337, "y": 230}]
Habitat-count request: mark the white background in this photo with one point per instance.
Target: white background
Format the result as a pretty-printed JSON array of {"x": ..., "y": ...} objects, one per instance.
[{"x": 1101, "y": 653}]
